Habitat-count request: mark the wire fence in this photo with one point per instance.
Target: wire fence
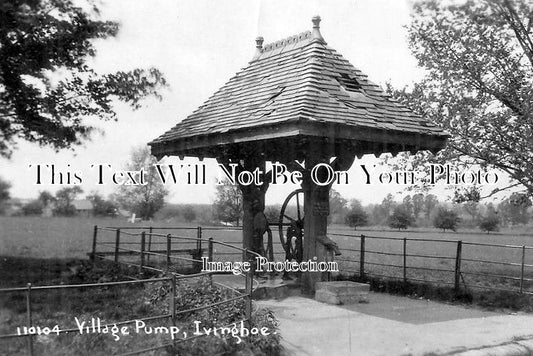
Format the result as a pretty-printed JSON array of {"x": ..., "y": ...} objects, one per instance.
[
  {"x": 156, "y": 253},
  {"x": 461, "y": 264}
]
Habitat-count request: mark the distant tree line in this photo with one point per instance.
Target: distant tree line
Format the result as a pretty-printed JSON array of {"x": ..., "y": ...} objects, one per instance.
[{"x": 426, "y": 210}]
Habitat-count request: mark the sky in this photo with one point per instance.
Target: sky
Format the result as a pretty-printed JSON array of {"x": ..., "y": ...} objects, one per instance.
[{"x": 199, "y": 45}]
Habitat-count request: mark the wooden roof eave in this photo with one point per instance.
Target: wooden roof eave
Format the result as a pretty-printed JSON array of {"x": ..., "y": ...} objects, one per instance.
[{"x": 211, "y": 145}]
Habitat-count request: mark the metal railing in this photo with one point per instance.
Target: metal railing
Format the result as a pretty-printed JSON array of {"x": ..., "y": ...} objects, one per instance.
[
  {"x": 458, "y": 263},
  {"x": 144, "y": 253}
]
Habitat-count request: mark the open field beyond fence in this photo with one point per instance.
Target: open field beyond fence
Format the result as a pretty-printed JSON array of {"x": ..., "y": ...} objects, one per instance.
[{"x": 497, "y": 261}]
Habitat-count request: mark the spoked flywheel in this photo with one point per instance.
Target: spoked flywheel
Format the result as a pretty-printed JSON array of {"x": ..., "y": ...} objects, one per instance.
[{"x": 291, "y": 225}]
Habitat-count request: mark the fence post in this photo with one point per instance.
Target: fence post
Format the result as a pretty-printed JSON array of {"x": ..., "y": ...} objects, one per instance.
[
  {"x": 29, "y": 316},
  {"x": 404, "y": 260},
  {"x": 522, "y": 269},
  {"x": 169, "y": 242},
  {"x": 210, "y": 249},
  {"x": 93, "y": 253},
  {"x": 117, "y": 243},
  {"x": 198, "y": 254},
  {"x": 210, "y": 257},
  {"x": 172, "y": 303},
  {"x": 249, "y": 282},
  {"x": 458, "y": 266},
  {"x": 149, "y": 244},
  {"x": 143, "y": 241},
  {"x": 362, "y": 258}
]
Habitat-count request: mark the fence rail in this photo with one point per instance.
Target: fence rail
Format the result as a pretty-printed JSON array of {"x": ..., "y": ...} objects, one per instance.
[
  {"x": 144, "y": 253},
  {"x": 464, "y": 266}
]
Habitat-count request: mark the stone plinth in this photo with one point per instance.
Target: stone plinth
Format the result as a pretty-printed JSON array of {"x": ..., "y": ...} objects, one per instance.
[{"x": 341, "y": 292}]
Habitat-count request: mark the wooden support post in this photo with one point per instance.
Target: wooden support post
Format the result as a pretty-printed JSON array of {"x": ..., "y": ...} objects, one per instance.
[
  {"x": 29, "y": 318},
  {"x": 522, "y": 269},
  {"x": 316, "y": 211},
  {"x": 210, "y": 257},
  {"x": 249, "y": 282},
  {"x": 405, "y": 260},
  {"x": 458, "y": 266},
  {"x": 93, "y": 252},
  {"x": 169, "y": 248},
  {"x": 143, "y": 246},
  {"x": 362, "y": 258},
  {"x": 172, "y": 302},
  {"x": 117, "y": 243},
  {"x": 149, "y": 243},
  {"x": 198, "y": 254},
  {"x": 210, "y": 249}
]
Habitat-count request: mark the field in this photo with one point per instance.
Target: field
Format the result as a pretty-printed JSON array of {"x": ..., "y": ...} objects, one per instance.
[
  {"x": 430, "y": 255},
  {"x": 54, "y": 252},
  {"x": 486, "y": 261}
]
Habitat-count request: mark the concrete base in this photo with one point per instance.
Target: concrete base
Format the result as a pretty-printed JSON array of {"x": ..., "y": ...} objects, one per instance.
[
  {"x": 341, "y": 292},
  {"x": 263, "y": 288}
]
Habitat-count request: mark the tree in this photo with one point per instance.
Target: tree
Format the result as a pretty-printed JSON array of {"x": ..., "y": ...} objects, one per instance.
[
  {"x": 430, "y": 202},
  {"x": 64, "y": 199},
  {"x": 101, "y": 206},
  {"x": 46, "y": 198},
  {"x": 401, "y": 218},
  {"x": 337, "y": 206},
  {"x": 228, "y": 203},
  {"x": 446, "y": 219},
  {"x": 272, "y": 213},
  {"x": 146, "y": 197},
  {"x": 408, "y": 205},
  {"x": 489, "y": 222},
  {"x": 34, "y": 207},
  {"x": 4, "y": 194},
  {"x": 472, "y": 209},
  {"x": 478, "y": 58},
  {"x": 382, "y": 212},
  {"x": 356, "y": 215},
  {"x": 418, "y": 204},
  {"x": 514, "y": 210},
  {"x": 189, "y": 214},
  {"x": 48, "y": 90}
]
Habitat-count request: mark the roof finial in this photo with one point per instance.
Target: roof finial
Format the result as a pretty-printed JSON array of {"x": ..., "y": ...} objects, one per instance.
[
  {"x": 259, "y": 46},
  {"x": 259, "y": 42},
  {"x": 316, "y": 28}
]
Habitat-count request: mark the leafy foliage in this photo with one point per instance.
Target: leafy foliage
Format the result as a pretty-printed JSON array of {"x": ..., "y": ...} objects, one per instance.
[
  {"x": 401, "y": 218},
  {"x": 514, "y": 210},
  {"x": 446, "y": 219},
  {"x": 142, "y": 199},
  {"x": 4, "y": 194},
  {"x": 47, "y": 88},
  {"x": 34, "y": 207},
  {"x": 101, "y": 206},
  {"x": 192, "y": 295},
  {"x": 272, "y": 213},
  {"x": 228, "y": 204},
  {"x": 478, "y": 56},
  {"x": 337, "y": 207},
  {"x": 188, "y": 212},
  {"x": 356, "y": 216},
  {"x": 64, "y": 198},
  {"x": 489, "y": 223}
]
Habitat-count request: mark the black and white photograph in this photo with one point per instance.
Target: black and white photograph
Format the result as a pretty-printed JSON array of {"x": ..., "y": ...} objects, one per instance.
[{"x": 266, "y": 177}]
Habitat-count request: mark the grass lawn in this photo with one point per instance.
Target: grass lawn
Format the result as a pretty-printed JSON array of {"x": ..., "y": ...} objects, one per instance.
[{"x": 72, "y": 238}]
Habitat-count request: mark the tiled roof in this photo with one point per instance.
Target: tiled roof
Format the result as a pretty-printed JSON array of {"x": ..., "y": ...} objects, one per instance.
[{"x": 299, "y": 79}]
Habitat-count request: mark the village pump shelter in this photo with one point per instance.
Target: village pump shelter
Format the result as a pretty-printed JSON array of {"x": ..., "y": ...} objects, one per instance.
[{"x": 300, "y": 103}]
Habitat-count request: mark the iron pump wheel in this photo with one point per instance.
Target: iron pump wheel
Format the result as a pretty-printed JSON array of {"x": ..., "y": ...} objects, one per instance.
[{"x": 291, "y": 226}]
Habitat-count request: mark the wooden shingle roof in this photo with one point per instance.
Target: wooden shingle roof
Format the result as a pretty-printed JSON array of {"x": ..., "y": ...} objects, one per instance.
[{"x": 299, "y": 86}]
